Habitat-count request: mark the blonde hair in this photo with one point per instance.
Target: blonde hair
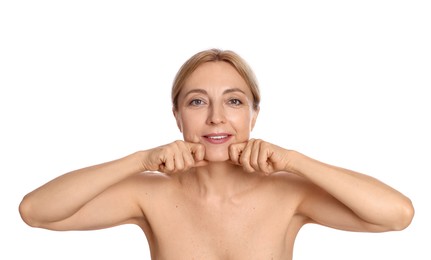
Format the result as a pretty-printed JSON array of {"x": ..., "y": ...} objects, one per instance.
[{"x": 214, "y": 55}]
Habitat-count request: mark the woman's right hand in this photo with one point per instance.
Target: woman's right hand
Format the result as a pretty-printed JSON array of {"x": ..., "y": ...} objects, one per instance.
[{"x": 175, "y": 157}]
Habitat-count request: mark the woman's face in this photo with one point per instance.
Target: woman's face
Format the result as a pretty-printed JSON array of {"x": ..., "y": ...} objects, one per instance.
[{"x": 215, "y": 108}]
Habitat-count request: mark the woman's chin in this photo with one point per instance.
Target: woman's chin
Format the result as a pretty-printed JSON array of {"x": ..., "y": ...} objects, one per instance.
[{"x": 217, "y": 157}]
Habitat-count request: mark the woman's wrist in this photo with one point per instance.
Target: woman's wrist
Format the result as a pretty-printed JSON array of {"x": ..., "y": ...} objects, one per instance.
[
  {"x": 294, "y": 159},
  {"x": 138, "y": 160}
]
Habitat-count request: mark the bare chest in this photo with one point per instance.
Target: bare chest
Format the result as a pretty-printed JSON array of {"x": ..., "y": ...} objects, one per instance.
[{"x": 246, "y": 229}]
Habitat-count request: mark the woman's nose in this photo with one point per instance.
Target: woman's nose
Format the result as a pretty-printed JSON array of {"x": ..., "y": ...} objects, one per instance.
[{"x": 216, "y": 115}]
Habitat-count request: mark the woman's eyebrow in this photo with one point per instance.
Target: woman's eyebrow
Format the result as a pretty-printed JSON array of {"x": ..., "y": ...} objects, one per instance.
[
  {"x": 203, "y": 91},
  {"x": 230, "y": 90},
  {"x": 196, "y": 90}
]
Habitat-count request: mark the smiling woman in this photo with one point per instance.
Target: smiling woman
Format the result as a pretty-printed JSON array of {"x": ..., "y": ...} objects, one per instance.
[
  {"x": 223, "y": 195},
  {"x": 215, "y": 107}
]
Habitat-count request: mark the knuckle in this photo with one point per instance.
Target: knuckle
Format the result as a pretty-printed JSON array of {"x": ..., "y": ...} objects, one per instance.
[
  {"x": 243, "y": 160},
  {"x": 255, "y": 165},
  {"x": 188, "y": 164},
  {"x": 179, "y": 166},
  {"x": 250, "y": 169},
  {"x": 178, "y": 142},
  {"x": 200, "y": 147},
  {"x": 263, "y": 165}
]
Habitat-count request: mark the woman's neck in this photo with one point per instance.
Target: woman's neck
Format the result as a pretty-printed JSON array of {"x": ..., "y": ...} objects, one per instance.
[{"x": 219, "y": 180}]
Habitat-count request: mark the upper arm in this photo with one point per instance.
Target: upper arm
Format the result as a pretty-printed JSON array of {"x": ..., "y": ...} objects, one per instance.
[
  {"x": 118, "y": 204},
  {"x": 322, "y": 208}
]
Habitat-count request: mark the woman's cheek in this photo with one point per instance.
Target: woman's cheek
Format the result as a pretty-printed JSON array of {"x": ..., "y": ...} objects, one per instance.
[{"x": 191, "y": 137}]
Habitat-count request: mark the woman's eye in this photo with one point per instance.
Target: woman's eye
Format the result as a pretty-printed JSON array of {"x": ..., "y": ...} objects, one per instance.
[
  {"x": 196, "y": 102},
  {"x": 235, "y": 102}
]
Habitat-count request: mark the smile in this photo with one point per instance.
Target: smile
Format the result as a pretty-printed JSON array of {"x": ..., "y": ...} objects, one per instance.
[{"x": 217, "y": 138}]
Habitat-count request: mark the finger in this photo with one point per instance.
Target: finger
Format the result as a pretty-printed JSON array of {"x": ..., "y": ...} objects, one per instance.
[
  {"x": 244, "y": 158},
  {"x": 264, "y": 159},
  {"x": 168, "y": 164},
  {"x": 184, "y": 160},
  {"x": 255, "y": 153},
  {"x": 197, "y": 151},
  {"x": 235, "y": 151},
  {"x": 201, "y": 163},
  {"x": 260, "y": 155},
  {"x": 179, "y": 162},
  {"x": 197, "y": 154}
]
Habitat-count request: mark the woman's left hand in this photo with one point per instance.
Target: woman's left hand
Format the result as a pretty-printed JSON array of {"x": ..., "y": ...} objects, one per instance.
[{"x": 259, "y": 156}]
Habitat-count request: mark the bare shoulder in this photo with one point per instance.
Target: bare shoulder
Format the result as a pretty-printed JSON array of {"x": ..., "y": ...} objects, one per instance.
[
  {"x": 292, "y": 189},
  {"x": 285, "y": 188},
  {"x": 154, "y": 187}
]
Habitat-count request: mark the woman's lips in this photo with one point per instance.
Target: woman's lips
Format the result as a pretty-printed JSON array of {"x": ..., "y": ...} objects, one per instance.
[{"x": 219, "y": 138}]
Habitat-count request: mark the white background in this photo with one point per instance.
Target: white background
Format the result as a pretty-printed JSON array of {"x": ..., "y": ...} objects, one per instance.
[{"x": 84, "y": 82}]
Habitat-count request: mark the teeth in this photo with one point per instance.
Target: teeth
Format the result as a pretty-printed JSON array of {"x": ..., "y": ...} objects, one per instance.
[{"x": 217, "y": 137}]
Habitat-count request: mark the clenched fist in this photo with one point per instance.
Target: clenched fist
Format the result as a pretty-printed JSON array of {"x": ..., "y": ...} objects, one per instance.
[
  {"x": 259, "y": 156},
  {"x": 175, "y": 157}
]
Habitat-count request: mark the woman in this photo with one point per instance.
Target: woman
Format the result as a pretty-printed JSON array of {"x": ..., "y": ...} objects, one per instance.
[{"x": 217, "y": 194}]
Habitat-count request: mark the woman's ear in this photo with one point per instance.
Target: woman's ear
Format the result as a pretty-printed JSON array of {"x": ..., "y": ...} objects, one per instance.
[
  {"x": 177, "y": 118},
  {"x": 254, "y": 117}
]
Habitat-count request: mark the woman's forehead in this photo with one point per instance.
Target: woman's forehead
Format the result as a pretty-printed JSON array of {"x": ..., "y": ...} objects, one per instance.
[{"x": 215, "y": 76}]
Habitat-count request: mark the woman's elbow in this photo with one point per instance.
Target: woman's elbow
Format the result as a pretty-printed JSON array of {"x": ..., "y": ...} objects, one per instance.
[
  {"x": 405, "y": 216},
  {"x": 26, "y": 212}
]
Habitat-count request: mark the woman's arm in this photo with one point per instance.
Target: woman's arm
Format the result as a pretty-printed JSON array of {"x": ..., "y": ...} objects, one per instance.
[
  {"x": 62, "y": 197},
  {"x": 381, "y": 207},
  {"x": 334, "y": 196},
  {"x": 103, "y": 195}
]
